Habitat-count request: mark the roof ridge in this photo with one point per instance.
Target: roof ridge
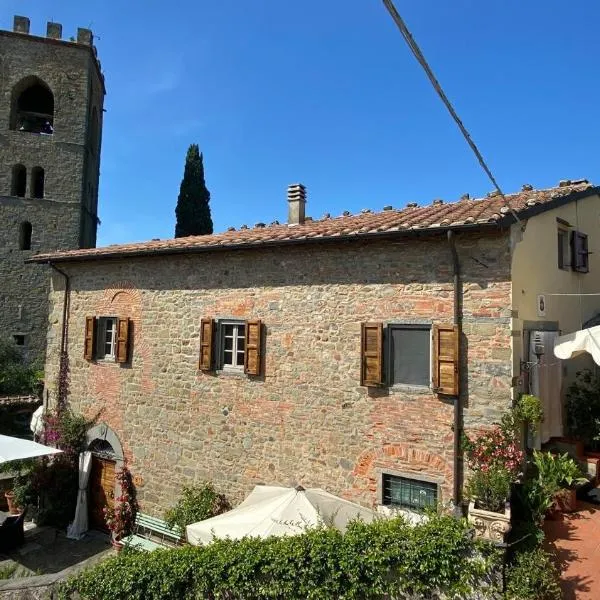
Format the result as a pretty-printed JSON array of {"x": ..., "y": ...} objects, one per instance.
[{"x": 465, "y": 212}]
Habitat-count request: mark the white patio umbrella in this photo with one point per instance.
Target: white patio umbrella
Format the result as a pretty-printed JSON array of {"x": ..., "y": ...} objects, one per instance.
[
  {"x": 12, "y": 448},
  {"x": 278, "y": 511},
  {"x": 574, "y": 344}
]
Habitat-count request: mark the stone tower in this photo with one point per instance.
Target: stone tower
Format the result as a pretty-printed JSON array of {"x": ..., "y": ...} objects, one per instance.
[{"x": 51, "y": 107}]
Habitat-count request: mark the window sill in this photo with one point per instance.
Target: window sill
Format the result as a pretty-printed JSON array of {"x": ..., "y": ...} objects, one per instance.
[
  {"x": 231, "y": 373},
  {"x": 412, "y": 516},
  {"x": 410, "y": 389}
]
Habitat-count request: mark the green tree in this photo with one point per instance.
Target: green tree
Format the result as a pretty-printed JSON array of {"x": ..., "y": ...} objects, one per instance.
[{"x": 193, "y": 210}]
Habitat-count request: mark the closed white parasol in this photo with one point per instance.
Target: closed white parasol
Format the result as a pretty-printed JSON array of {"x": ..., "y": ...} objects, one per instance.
[{"x": 277, "y": 511}]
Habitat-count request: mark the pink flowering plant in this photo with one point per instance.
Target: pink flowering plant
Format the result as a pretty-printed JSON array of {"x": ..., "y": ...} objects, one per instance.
[
  {"x": 495, "y": 459},
  {"x": 120, "y": 519}
]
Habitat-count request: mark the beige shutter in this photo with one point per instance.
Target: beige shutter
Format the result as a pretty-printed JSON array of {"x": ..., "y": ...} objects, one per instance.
[
  {"x": 122, "y": 353},
  {"x": 371, "y": 354},
  {"x": 90, "y": 338},
  {"x": 206, "y": 345},
  {"x": 446, "y": 356},
  {"x": 252, "y": 357}
]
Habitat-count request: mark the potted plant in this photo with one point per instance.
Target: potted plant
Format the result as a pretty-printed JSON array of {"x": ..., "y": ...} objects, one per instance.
[
  {"x": 495, "y": 461},
  {"x": 489, "y": 508},
  {"x": 560, "y": 476},
  {"x": 120, "y": 519}
]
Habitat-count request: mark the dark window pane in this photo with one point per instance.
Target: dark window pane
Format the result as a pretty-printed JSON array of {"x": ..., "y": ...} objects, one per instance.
[
  {"x": 242, "y": 331},
  {"x": 410, "y": 356},
  {"x": 228, "y": 330},
  {"x": 408, "y": 493},
  {"x": 228, "y": 343},
  {"x": 228, "y": 357},
  {"x": 240, "y": 359}
]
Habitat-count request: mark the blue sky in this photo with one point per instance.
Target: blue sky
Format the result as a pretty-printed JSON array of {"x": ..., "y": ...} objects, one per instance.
[{"x": 326, "y": 93}]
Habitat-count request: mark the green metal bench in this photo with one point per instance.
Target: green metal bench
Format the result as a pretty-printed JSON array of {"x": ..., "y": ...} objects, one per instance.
[{"x": 151, "y": 534}]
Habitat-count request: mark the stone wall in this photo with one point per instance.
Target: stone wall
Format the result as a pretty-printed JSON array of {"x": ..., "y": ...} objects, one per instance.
[
  {"x": 307, "y": 419},
  {"x": 65, "y": 217}
]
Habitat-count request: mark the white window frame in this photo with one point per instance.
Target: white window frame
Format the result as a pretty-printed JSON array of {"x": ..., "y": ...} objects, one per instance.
[
  {"x": 237, "y": 325},
  {"x": 566, "y": 247},
  {"x": 389, "y": 354},
  {"x": 101, "y": 338}
]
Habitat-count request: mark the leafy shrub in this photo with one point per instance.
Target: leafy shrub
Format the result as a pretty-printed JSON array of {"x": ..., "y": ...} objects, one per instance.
[
  {"x": 196, "y": 503},
  {"x": 490, "y": 489},
  {"x": 533, "y": 576},
  {"x": 555, "y": 472},
  {"x": 17, "y": 377},
  {"x": 120, "y": 519},
  {"x": 369, "y": 561},
  {"x": 583, "y": 409},
  {"x": 529, "y": 410}
]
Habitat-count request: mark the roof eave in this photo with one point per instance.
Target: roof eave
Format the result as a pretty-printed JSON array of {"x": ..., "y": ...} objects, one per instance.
[
  {"x": 380, "y": 235},
  {"x": 531, "y": 211}
]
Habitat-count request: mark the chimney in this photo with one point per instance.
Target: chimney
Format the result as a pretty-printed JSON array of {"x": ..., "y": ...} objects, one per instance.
[
  {"x": 53, "y": 30},
  {"x": 21, "y": 24},
  {"x": 84, "y": 36},
  {"x": 296, "y": 204}
]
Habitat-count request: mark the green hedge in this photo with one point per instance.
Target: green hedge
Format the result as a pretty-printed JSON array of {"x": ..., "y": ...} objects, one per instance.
[{"x": 388, "y": 558}]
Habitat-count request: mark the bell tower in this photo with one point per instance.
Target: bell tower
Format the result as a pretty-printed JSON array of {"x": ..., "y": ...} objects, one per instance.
[{"x": 51, "y": 107}]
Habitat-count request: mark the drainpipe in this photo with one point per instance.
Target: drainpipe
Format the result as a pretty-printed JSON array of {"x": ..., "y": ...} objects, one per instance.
[
  {"x": 63, "y": 336},
  {"x": 457, "y": 471}
]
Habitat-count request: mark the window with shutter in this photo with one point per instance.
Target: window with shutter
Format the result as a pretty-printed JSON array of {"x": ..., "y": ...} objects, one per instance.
[
  {"x": 110, "y": 338},
  {"x": 371, "y": 369},
  {"x": 446, "y": 359},
  {"x": 409, "y": 355},
  {"x": 253, "y": 345},
  {"x": 90, "y": 335},
  {"x": 122, "y": 350},
  {"x": 579, "y": 252},
  {"x": 206, "y": 345},
  {"x": 563, "y": 249}
]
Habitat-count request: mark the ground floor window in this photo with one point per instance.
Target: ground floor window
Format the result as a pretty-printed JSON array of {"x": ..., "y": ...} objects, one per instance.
[{"x": 405, "y": 492}]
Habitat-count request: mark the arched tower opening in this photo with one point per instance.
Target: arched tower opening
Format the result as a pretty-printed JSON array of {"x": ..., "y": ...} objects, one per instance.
[
  {"x": 32, "y": 106},
  {"x": 25, "y": 236},
  {"x": 37, "y": 182},
  {"x": 18, "y": 184}
]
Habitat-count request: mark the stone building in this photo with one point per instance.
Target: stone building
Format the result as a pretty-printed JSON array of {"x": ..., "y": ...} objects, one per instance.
[
  {"x": 346, "y": 353},
  {"x": 51, "y": 102}
]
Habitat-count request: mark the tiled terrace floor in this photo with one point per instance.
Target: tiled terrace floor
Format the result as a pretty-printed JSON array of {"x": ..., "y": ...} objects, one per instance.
[{"x": 576, "y": 543}]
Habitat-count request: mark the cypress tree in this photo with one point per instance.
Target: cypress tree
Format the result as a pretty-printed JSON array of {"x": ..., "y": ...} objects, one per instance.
[{"x": 193, "y": 210}]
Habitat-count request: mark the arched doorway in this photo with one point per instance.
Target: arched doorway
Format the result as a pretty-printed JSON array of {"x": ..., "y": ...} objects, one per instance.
[{"x": 107, "y": 457}]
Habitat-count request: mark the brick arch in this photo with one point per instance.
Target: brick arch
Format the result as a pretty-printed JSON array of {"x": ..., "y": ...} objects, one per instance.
[
  {"x": 398, "y": 457},
  {"x": 123, "y": 299}
]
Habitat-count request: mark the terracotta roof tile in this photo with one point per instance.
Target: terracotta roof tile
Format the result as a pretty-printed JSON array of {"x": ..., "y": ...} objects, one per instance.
[{"x": 465, "y": 212}]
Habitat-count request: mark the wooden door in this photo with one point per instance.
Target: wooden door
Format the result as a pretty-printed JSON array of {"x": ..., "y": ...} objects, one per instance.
[{"x": 101, "y": 491}]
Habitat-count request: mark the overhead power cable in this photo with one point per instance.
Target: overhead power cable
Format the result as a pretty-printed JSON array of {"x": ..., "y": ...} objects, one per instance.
[{"x": 412, "y": 44}]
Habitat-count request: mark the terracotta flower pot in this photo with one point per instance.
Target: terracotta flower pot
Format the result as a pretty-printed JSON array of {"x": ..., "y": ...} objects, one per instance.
[
  {"x": 565, "y": 500},
  {"x": 13, "y": 508},
  {"x": 490, "y": 525}
]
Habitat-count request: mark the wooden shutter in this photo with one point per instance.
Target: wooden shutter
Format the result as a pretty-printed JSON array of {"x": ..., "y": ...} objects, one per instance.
[
  {"x": 90, "y": 338},
  {"x": 579, "y": 251},
  {"x": 371, "y": 354},
  {"x": 252, "y": 356},
  {"x": 446, "y": 358},
  {"x": 206, "y": 345},
  {"x": 122, "y": 353}
]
